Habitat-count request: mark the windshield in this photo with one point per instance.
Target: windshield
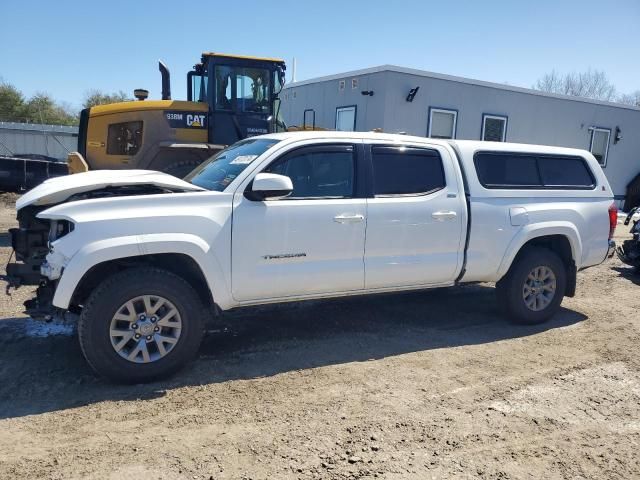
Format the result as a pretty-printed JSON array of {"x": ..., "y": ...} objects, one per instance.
[{"x": 221, "y": 169}]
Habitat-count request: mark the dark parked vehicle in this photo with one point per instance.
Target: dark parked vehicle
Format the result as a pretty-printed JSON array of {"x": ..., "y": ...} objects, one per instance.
[
  {"x": 22, "y": 172},
  {"x": 629, "y": 252}
]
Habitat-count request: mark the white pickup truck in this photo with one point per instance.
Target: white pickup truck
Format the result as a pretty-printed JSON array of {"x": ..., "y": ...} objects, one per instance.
[{"x": 145, "y": 258}]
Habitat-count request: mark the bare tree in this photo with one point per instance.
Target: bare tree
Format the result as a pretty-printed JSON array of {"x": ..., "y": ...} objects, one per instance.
[
  {"x": 590, "y": 84},
  {"x": 630, "y": 98}
]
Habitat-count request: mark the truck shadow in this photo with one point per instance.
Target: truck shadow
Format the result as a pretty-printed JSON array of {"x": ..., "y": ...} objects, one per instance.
[{"x": 40, "y": 373}]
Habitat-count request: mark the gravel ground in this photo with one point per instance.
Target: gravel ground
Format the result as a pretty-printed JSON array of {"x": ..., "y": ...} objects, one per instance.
[{"x": 421, "y": 385}]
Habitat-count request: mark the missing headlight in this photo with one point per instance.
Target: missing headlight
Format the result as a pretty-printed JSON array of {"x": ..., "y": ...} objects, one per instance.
[{"x": 59, "y": 228}]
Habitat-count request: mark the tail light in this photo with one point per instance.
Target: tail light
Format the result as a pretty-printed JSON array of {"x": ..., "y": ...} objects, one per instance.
[{"x": 613, "y": 219}]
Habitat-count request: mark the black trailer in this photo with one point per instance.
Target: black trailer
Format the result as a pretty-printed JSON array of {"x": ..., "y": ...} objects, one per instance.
[{"x": 22, "y": 172}]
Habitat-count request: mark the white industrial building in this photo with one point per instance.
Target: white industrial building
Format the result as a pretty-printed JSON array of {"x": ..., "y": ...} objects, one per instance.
[{"x": 396, "y": 99}]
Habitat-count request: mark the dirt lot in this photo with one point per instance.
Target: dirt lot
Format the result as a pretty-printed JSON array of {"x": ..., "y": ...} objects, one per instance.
[{"x": 420, "y": 385}]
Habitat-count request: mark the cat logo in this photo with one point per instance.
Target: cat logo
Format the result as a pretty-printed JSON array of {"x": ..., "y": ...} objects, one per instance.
[
  {"x": 195, "y": 120},
  {"x": 182, "y": 119}
]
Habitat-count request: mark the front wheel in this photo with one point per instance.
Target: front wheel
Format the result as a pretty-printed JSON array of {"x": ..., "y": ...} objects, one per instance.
[
  {"x": 533, "y": 289},
  {"x": 140, "y": 325}
]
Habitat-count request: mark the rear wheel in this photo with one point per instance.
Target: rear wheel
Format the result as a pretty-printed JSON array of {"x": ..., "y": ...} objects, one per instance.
[
  {"x": 534, "y": 287},
  {"x": 140, "y": 325}
]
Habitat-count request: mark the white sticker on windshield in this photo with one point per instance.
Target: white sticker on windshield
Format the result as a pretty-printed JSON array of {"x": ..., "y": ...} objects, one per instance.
[{"x": 243, "y": 159}]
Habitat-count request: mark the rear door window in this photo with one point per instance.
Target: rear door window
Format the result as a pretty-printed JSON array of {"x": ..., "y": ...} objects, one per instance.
[{"x": 406, "y": 171}]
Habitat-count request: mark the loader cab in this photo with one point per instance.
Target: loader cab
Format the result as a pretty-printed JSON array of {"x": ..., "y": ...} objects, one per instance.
[{"x": 242, "y": 94}]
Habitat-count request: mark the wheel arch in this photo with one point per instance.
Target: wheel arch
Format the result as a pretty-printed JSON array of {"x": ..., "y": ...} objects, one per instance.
[
  {"x": 187, "y": 257},
  {"x": 180, "y": 264},
  {"x": 563, "y": 240}
]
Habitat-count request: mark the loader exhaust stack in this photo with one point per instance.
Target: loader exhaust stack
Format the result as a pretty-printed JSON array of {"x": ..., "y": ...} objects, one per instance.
[{"x": 166, "y": 80}]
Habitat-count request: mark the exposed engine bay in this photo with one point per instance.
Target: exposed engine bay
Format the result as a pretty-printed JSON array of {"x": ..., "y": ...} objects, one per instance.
[{"x": 31, "y": 243}]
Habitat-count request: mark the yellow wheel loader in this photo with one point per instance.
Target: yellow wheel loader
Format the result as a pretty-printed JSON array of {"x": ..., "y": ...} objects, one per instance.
[{"x": 229, "y": 97}]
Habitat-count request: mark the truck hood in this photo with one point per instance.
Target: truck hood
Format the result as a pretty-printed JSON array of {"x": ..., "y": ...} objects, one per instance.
[{"x": 57, "y": 190}]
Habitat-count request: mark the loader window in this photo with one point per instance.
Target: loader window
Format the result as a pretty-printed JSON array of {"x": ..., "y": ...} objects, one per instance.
[
  {"x": 253, "y": 90},
  {"x": 223, "y": 87},
  {"x": 199, "y": 88},
  {"x": 243, "y": 89},
  {"x": 124, "y": 138}
]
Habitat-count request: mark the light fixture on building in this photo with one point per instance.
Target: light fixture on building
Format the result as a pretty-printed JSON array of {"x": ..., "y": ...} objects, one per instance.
[
  {"x": 367, "y": 92},
  {"x": 412, "y": 94},
  {"x": 617, "y": 135}
]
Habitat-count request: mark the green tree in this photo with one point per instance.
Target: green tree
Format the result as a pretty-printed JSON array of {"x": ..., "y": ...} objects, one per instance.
[
  {"x": 41, "y": 108},
  {"x": 11, "y": 102},
  {"x": 96, "y": 97}
]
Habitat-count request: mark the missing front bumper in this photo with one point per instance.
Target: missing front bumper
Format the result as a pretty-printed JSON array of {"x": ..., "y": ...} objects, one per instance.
[
  {"x": 41, "y": 306},
  {"x": 19, "y": 274}
]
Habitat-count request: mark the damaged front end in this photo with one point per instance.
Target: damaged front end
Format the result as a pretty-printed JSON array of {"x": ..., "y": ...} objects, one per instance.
[{"x": 30, "y": 242}]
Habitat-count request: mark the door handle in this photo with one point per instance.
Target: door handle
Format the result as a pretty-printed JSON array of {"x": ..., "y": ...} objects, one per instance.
[
  {"x": 444, "y": 215},
  {"x": 348, "y": 218}
]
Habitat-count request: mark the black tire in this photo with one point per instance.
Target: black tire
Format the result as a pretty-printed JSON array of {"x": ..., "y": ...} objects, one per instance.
[
  {"x": 95, "y": 323},
  {"x": 181, "y": 169},
  {"x": 510, "y": 289}
]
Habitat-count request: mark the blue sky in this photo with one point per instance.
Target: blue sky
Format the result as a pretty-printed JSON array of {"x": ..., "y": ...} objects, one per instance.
[{"x": 67, "y": 47}]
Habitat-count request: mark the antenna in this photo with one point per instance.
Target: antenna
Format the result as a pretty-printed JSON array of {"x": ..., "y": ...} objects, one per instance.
[{"x": 293, "y": 71}]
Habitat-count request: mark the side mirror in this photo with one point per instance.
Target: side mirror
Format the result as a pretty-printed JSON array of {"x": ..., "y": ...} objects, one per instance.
[{"x": 267, "y": 186}]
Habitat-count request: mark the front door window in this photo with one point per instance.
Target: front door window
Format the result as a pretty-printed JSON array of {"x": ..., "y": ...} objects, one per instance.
[{"x": 318, "y": 174}]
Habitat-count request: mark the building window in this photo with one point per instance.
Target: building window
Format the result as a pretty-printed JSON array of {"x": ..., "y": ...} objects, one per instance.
[
  {"x": 341, "y": 85},
  {"x": 124, "y": 138},
  {"x": 600, "y": 144},
  {"x": 346, "y": 118},
  {"x": 494, "y": 128},
  {"x": 442, "y": 123},
  {"x": 354, "y": 83}
]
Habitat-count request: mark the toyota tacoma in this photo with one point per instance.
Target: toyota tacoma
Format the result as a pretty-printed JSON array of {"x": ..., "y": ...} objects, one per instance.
[{"x": 145, "y": 259}]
